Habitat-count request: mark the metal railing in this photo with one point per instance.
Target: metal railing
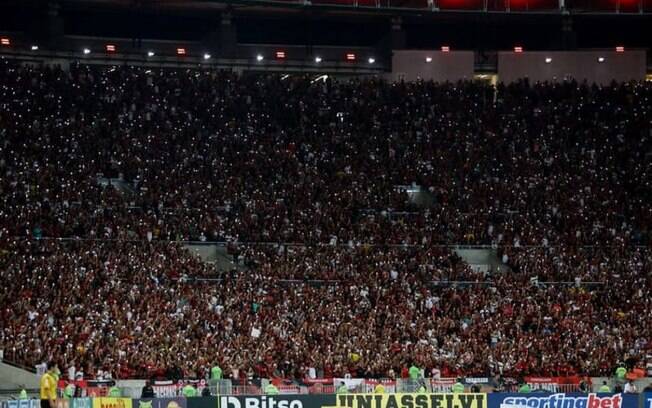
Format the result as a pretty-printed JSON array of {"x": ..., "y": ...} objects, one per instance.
[{"x": 241, "y": 244}]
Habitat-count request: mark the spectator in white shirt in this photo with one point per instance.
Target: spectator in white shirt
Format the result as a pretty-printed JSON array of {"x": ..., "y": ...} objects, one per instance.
[{"x": 630, "y": 387}]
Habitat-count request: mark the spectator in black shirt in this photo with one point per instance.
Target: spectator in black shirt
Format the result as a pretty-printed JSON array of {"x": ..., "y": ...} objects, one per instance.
[{"x": 148, "y": 390}]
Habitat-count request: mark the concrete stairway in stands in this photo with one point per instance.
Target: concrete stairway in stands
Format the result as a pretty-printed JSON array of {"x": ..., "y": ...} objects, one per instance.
[
  {"x": 119, "y": 184},
  {"x": 15, "y": 378},
  {"x": 214, "y": 254},
  {"x": 481, "y": 259}
]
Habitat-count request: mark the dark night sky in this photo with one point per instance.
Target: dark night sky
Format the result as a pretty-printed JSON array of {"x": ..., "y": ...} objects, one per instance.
[{"x": 460, "y": 30}]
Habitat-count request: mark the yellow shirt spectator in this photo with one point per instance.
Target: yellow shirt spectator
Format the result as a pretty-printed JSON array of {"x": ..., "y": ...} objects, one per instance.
[{"x": 48, "y": 387}]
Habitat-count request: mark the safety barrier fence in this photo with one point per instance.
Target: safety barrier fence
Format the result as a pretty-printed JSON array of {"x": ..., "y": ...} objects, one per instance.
[
  {"x": 169, "y": 388},
  {"x": 242, "y": 244},
  {"x": 365, "y": 400}
]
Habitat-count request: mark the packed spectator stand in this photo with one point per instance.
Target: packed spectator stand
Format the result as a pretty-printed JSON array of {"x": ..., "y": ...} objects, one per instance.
[{"x": 342, "y": 271}]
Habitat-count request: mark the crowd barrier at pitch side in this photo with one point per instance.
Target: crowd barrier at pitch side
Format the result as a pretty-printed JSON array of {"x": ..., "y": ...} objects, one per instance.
[
  {"x": 397, "y": 400},
  {"x": 167, "y": 388}
]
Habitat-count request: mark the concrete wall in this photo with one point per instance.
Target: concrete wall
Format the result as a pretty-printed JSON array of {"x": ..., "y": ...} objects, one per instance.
[
  {"x": 640, "y": 383},
  {"x": 207, "y": 252},
  {"x": 580, "y": 65},
  {"x": 16, "y": 378},
  {"x": 410, "y": 65},
  {"x": 131, "y": 388},
  {"x": 214, "y": 254},
  {"x": 480, "y": 259}
]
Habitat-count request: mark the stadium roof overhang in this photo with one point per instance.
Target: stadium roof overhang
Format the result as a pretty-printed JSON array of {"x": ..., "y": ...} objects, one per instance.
[
  {"x": 324, "y": 9},
  {"x": 289, "y": 7},
  {"x": 352, "y": 8}
]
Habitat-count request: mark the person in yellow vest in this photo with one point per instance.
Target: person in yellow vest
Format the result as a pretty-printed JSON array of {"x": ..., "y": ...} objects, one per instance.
[
  {"x": 189, "y": 391},
  {"x": 56, "y": 374},
  {"x": 524, "y": 388},
  {"x": 379, "y": 389},
  {"x": 271, "y": 389},
  {"x": 23, "y": 394},
  {"x": 621, "y": 372},
  {"x": 342, "y": 389},
  {"x": 115, "y": 392},
  {"x": 604, "y": 387},
  {"x": 48, "y": 387},
  {"x": 216, "y": 372},
  {"x": 458, "y": 387},
  {"x": 69, "y": 391}
]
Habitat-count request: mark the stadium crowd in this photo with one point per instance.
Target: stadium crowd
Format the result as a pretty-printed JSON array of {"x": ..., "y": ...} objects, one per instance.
[{"x": 313, "y": 186}]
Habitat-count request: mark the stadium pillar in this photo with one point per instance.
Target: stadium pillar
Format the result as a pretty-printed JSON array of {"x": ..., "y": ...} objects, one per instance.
[
  {"x": 224, "y": 38},
  {"x": 568, "y": 36},
  {"x": 228, "y": 35},
  {"x": 393, "y": 40},
  {"x": 397, "y": 34},
  {"x": 50, "y": 30}
]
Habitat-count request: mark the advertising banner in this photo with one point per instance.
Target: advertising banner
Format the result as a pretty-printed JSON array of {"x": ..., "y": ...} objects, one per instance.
[
  {"x": 647, "y": 400},
  {"x": 439, "y": 385},
  {"x": 202, "y": 402},
  {"x": 164, "y": 389},
  {"x": 574, "y": 400},
  {"x": 80, "y": 403},
  {"x": 90, "y": 388},
  {"x": 168, "y": 388},
  {"x": 466, "y": 400},
  {"x": 477, "y": 380},
  {"x": 26, "y": 403},
  {"x": 277, "y": 401},
  {"x": 160, "y": 403},
  {"x": 74, "y": 403},
  {"x": 107, "y": 402},
  {"x": 365, "y": 385},
  {"x": 557, "y": 384},
  {"x": 313, "y": 381},
  {"x": 351, "y": 383}
]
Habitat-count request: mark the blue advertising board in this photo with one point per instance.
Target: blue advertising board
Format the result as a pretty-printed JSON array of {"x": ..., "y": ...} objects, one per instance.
[
  {"x": 22, "y": 403},
  {"x": 80, "y": 403},
  {"x": 647, "y": 400},
  {"x": 573, "y": 400},
  {"x": 61, "y": 403}
]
